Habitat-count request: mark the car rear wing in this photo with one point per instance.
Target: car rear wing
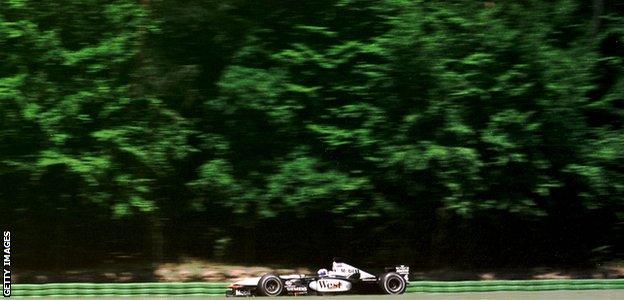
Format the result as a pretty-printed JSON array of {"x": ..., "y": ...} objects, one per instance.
[{"x": 402, "y": 270}]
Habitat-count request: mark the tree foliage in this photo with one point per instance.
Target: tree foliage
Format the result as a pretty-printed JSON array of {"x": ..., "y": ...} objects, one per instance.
[{"x": 446, "y": 130}]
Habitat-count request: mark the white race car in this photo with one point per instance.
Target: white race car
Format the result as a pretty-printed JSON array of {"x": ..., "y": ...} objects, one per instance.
[{"x": 342, "y": 278}]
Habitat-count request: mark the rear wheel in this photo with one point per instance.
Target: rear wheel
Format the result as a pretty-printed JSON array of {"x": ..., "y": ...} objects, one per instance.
[
  {"x": 392, "y": 283},
  {"x": 270, "y": 285}
]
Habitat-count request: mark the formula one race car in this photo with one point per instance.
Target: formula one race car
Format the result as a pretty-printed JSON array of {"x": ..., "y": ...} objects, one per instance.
[{"x": 342, "y": 279}]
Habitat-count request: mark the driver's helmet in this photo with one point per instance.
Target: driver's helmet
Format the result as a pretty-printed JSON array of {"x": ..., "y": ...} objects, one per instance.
[{"x": 322, "y": 272}]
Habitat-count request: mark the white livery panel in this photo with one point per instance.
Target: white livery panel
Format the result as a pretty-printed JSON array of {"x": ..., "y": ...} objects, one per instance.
[{"x": 326, "y": 285}]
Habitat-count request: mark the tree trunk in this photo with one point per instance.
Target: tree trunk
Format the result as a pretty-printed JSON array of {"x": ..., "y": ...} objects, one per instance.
[
  {"x": 157, "y": 239},
  {"x": 250, "y": 245},
  {"x": 439, "y": 243}
]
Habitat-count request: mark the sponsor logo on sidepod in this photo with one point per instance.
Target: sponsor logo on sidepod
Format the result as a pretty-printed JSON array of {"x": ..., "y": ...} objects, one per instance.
[{"x": 330, "y": 285}]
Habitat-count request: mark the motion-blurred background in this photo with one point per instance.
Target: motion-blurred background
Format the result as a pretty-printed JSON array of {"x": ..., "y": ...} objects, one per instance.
[{"x": 468, "y": 134}]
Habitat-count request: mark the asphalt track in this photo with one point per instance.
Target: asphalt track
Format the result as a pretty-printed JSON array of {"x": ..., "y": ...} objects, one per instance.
[{"x": 546, "y": 295}]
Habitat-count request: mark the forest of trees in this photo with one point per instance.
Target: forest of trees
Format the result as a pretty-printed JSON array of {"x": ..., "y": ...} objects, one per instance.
[{"x": 439, "y": 133}]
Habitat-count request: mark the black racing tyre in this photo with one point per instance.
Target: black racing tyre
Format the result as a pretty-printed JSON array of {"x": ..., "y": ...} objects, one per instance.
[
  {"x": 270, "y": 285},
  {"x": 392, "y": 283}
]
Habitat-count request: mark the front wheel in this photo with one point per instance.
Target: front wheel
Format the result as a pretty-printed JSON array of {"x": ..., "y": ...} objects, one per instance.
[
  {"x": 392, "y": 283},
  {"x": 270, "y": 285}
]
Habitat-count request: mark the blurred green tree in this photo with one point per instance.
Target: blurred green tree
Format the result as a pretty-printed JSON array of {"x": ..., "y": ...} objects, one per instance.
[
  {"x": 94, "y": 135},
  {"x": 465, "y": 126}
]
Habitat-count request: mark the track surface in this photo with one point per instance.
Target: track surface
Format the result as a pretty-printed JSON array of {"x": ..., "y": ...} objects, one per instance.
[{"x": 549, "y": 295}]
